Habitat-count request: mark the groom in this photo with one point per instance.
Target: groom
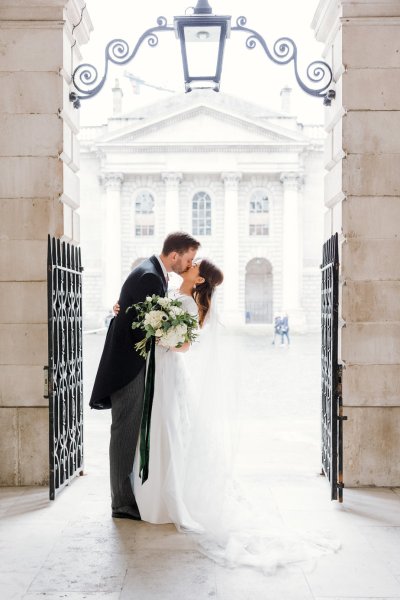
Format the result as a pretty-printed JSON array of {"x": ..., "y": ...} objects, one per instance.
[{"x": 120, "y": 378}]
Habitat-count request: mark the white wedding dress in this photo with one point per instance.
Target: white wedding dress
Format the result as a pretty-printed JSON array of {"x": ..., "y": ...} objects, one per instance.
[
  {"x": 193, "y": 440},
  {"x": 161, "y": 498}
]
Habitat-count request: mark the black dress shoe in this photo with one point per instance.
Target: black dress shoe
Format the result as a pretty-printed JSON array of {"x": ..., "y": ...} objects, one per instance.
[{"x": 124, "y": 515}]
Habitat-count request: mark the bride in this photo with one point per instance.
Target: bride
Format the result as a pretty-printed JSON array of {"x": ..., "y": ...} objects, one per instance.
[{"x": 165, "y": 496}]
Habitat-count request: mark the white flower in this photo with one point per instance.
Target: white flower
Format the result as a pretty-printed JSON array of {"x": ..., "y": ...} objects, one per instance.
[
  {"x": 174, "y": 311},
  {"x": 149, "y": 298},
  {"x": 172, "y": 338},
  {"x": 158, "y": 332},
  {"x": 181, "y": 329},
  {"x": 154, "y": 318},
  {"x": 164, "y": 302}
]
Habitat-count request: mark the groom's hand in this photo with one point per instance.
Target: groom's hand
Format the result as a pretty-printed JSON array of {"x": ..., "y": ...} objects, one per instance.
[{"x": 116, "y": 309}]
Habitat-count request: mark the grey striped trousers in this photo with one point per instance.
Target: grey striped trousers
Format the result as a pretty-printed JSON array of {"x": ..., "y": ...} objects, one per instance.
[{"x": 126, "y": 411}]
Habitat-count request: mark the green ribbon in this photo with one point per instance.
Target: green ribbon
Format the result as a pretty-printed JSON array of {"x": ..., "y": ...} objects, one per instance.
[{"x": 146, "y": 415}]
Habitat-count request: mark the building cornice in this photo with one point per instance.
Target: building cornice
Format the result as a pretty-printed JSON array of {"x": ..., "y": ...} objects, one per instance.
[
  {"x": 207, "y": 148},
  {"x": 271, "y": 131}
]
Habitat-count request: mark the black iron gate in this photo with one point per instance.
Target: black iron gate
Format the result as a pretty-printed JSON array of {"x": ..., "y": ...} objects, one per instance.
[
  {"x": 64, "y": 287},
  {"x": 332, "y": 417}
]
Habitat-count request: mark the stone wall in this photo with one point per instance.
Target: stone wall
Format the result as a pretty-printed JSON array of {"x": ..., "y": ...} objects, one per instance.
[
  {"x": 362, "y": 196},
  {"x": 38, "y": 196}
]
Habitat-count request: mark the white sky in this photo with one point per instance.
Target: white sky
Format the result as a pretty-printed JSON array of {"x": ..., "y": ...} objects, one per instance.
[{"x": 246, "y": 73}]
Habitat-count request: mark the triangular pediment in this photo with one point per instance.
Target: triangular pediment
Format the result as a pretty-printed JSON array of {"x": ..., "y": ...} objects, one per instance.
[{"x": 201, "y": 124}]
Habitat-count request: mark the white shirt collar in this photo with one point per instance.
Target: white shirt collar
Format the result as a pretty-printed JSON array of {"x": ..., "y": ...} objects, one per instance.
[{"x": 164, "y": 270}]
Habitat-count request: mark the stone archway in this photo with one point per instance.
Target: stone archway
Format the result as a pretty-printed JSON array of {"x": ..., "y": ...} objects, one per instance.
[{"x": 258, "y": 291}]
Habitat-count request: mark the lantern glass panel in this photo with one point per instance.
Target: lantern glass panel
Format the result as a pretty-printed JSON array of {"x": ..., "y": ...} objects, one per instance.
[{"x": 202, "y": 48}]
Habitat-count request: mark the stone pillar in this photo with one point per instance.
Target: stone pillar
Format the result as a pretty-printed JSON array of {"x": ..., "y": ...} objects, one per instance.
[
  {"x": 362, "y": 196},
  {"x": 232, "y": 312},
  {"x": 172, "y": 181},
  {"x": 112, "y": 239},
  {"x": 292, "y": 255},
  {"x": 39, "y": 195}
]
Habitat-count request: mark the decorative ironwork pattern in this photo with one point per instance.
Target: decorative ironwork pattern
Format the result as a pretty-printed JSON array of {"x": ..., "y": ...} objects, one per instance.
[
  {"x": 118, "y": 52},
  {"x": 64, "y": 287},
  {"x": 284, "y": 51},
  {"x": 331, "y": 372},
  {"x": 318, "y": 73}
]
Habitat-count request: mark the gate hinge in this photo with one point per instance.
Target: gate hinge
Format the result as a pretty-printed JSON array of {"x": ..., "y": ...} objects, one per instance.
[
  {"x": 341, "y": 418},
  {"x": 340, "y": 485},
  {"x": 45, "y": 382}
]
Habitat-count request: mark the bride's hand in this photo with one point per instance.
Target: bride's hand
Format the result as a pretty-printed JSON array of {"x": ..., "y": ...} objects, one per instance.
[
  {"x": 116, "y": 309},
  {"x": 184, "y": 348}
]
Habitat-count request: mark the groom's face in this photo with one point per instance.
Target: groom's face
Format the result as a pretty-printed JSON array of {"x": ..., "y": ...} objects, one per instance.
[{"x": 183, "y": 262}]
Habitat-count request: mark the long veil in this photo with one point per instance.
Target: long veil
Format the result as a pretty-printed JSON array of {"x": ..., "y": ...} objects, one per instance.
[
  {"x": 234, "y": 531},
  {"x": 210, "y": 457}
]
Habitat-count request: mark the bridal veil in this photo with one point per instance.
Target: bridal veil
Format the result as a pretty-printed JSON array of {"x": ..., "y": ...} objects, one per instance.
[{"x": 234, "y": 533}]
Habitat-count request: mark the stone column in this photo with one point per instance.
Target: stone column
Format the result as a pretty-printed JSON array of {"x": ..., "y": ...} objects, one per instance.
[
  {"x": 292, "y": 268},
  {"x": 172, "y": 181},
  {"x": 232, "y": 313},
  {"x": 112, "y": 239},
  {"x": 39, "y": 195},
  {"x": 362, "y": 197}
]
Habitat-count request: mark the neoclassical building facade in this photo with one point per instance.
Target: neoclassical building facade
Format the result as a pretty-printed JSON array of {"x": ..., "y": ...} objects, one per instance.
[{"x": 245, "y": 180}]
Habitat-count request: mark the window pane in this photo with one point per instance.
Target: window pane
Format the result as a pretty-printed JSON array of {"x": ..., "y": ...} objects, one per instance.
[
  {"x": 259, "y": 202},
  {"x": 144, "y": 203},
  {"x": 201, "y": 214}
]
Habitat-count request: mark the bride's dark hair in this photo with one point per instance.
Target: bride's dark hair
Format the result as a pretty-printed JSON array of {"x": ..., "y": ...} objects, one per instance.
[{"x": 203, "y": 291}]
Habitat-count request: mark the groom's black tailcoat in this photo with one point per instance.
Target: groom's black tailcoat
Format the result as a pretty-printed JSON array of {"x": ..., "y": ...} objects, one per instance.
[{"x": 120, "y": 362}]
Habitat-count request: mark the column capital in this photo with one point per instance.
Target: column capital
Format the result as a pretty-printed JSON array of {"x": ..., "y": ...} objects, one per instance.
[
  {"x": 112, "y": 181},
  {"x": 172, "y": 179},
  {"x": 231, "y": 179},
  {"x": 292, "y": 180}
]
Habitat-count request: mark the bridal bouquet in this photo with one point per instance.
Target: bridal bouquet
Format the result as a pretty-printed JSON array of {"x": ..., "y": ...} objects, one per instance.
[{"x": 165, "y": 320}]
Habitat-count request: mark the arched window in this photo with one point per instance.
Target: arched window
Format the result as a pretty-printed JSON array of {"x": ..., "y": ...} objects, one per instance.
[
  {"x": 259, "y": 213},
  {"x": 144, "y": 214},
  {"x": 201, "y": 214}
]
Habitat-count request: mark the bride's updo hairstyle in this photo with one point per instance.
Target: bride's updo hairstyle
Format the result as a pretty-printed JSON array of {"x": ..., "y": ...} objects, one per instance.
[{"x": 203, "y": 291}]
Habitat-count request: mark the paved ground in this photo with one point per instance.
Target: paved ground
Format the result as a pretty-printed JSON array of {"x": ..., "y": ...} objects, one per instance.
[{"x": 71, "y": 548}]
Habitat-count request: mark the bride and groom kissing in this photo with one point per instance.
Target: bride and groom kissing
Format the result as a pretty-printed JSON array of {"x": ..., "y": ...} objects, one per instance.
[
  {"x": 193, "y": 434},
  {"x": 120, "y": 385}
]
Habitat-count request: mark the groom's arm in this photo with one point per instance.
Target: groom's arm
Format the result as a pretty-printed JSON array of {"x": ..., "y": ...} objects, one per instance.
[
  {"x": 147, "y": 285},
  {"x": 137, "y": 289}
]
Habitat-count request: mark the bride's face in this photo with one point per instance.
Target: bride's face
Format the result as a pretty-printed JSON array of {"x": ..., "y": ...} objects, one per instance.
[{"x": 192, "y": 275}]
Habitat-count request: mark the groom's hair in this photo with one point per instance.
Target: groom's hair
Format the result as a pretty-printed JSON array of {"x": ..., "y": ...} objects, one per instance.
[{"x": 180, "y": 242}]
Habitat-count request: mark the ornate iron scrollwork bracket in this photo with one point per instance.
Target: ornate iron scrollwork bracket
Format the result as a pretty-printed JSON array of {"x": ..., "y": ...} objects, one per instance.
[
  {"x": 87, "y": 84},
  {"x": 118, "y": 52},
  {"x": 283, "y": 52}
]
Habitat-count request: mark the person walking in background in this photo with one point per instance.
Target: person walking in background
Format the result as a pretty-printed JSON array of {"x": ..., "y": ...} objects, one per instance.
[
  {"x": 277, "y": 327},
  {"x": 284, "y": 329}
]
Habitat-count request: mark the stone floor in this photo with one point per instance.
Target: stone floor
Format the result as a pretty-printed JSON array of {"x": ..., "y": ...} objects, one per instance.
[{"x": 71, "y": 548}]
